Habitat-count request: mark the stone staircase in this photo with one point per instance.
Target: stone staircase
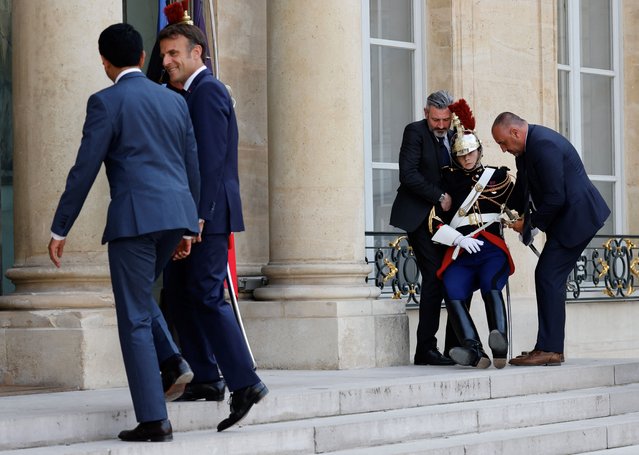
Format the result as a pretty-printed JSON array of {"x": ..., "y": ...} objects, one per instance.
[{"x": 584, "y": 406}]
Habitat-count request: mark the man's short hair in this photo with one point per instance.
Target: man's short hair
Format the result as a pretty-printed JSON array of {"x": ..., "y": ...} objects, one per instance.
[
  {"x": 192, "y": 33},
  {"x": 121, "y": 45},
  {"x": 440, "y": 99},
  {"x": 507, "y": 119}
]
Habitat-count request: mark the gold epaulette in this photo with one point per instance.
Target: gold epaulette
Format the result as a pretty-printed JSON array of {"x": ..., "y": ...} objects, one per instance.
[{"x": 433, "y": 216}]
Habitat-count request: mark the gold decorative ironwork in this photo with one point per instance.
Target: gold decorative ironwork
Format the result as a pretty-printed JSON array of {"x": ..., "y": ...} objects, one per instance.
[
  {"x": 608, "y": 269},
  {"x": 604, "y": 268},
  {"x": 395, "y": 243},
  {"x": 618, "y": 251},
  {"x": 634, "y": 267},
  {"x": 396, "y": 268},
  {"x": 392, "y": 270}
]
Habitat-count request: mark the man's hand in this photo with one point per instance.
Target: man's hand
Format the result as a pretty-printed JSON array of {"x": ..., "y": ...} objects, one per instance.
[
  {"x": 182, "y": 250},
  {"x": 56, "y": 247},
  {"x": 446, "y": 202},
  {"x": 198, "y": 239},
  {"x": 517, "y": 225}
]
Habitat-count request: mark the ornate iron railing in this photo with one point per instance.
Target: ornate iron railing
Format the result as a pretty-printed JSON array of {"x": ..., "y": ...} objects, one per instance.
[{"x": 607, "y": 269}]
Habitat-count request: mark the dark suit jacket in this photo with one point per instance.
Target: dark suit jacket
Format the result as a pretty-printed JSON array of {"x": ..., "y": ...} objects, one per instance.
[
  {"x": 216, "y": 133},
  {"x": 419, "y": 177},
  {"x": 567, "y": 204},
  {"x": 143, "y": 134}
]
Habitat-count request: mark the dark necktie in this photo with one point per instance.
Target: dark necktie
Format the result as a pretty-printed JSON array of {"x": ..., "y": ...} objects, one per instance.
[{"x": 444, "y": 155}]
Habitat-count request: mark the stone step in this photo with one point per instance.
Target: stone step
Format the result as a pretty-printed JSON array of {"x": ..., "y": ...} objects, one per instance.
[
  {"x": 354, "y": 400},
  {"x": 627, "y": 450},
  {"x": 592, "y": 436},
  {"x": 433, "y": 429}
]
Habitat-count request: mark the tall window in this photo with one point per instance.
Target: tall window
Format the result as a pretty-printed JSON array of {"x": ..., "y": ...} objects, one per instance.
[
  {"x": 589, "y": 94},
  {"x": 143, "y": 15},
  {"x": 393, "y": 97},
  {"x": 6, "y": 149}
]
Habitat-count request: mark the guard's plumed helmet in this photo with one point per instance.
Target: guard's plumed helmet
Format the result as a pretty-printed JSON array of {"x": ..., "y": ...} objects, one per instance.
[
  {"x": 465, "y": 140},
  {"x": 178, "y": 12}
]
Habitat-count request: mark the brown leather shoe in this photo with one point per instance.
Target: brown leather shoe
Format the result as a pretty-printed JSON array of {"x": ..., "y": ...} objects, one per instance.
[
  {"x": 525, "y": 353},
  {"x": 538, "y": 358}
]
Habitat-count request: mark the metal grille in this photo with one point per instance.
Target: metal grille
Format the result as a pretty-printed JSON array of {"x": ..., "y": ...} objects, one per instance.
[{"x": 606, "y": 270}]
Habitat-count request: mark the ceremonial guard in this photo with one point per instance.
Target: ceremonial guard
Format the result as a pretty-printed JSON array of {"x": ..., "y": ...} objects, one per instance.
[{"x": 478, "y": 257}]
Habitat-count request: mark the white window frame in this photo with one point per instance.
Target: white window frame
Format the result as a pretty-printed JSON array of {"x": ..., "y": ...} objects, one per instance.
[
  {"x": 418, "y": 97},
  {"x": 575, "y": 70}
]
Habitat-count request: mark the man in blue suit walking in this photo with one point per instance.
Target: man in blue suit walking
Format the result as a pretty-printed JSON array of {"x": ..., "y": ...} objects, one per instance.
[
  {"x": 194, "y": 288},
  {"x": 551, "y": 180},
  {"x": 144, "y": 136}
]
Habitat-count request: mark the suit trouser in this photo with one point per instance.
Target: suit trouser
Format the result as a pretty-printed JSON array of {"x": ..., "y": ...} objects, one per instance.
[
  {"x": 135, "y": 263},
  {"x": 429, "y": 259},
  {"x": 555, "y": 264},
  {"x": 205, "y": 322}
]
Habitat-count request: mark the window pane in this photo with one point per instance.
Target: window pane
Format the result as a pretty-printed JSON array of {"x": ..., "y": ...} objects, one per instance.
[
  {"x": 564, "y": 103},
  {"x": 596, "y": 38},
  {"x": 6, "y": 149},
  {"x": 563, "y": 56},
  {"x": 392, "y": 19},
  {"x": 597, "y": 124},
  {"x": 143, "y": 15},
  {"x": 391, "y": 100},
  {"x": 607, "y": 190},
  {"x": 385, "y": 183}
]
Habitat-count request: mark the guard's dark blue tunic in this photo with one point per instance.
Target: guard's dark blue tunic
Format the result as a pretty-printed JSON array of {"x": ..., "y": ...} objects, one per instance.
[{"x": 490, "y": 267}]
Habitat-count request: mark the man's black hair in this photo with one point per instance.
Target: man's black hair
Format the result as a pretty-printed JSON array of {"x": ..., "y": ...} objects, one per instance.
[{"x": 121, "y": 45}]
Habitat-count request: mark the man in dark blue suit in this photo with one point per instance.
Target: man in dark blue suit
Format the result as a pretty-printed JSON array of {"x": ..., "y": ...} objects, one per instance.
[
  {"x": 144, "y": 136},
  {"x": 565, "y": 205},
  {"x": 423, "y": 154},
  {"x": 194, "y": 288}
]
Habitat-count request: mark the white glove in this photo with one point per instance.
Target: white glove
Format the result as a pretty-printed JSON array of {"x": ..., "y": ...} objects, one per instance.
[{"x": 470, "y": 244}]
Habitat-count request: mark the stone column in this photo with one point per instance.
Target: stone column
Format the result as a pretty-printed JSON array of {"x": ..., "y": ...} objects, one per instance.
[
  {"x": 319, "y": 312},
  {"x": 58, "y": 328}
]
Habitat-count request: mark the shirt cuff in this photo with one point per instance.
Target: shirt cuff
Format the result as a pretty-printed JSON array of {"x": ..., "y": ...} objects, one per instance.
[{"x": 55, "y": 236}]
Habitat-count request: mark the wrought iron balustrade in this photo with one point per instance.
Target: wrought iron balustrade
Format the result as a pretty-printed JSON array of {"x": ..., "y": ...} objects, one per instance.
[{"x": 607, "y": 269}]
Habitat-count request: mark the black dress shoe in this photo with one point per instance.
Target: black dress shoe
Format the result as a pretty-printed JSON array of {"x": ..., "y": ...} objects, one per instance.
[
  {"x": 176, "y": 374},
  {"x": 212, "y": 391},
  {"x": 432, "y": 357},
  {"x": 242, "y": 401},
  {"x": 157, "y": 431}
]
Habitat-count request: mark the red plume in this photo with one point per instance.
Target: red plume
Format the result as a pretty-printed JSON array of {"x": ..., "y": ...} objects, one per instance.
[
  {"x": 463, "y": 112},
  {"x": 174, "y": 12}
]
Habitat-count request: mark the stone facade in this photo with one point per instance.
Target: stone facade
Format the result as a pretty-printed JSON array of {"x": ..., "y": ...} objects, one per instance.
[
  {"x": 295, "y": 67},
  {"x": 59, "y": 325}
]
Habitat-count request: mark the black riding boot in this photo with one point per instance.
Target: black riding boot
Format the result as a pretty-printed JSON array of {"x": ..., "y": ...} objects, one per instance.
[
  {"x": 498, "y": 326},
  {"x": 451, "y": 340},
  {"x": 470, "y": 352}
]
